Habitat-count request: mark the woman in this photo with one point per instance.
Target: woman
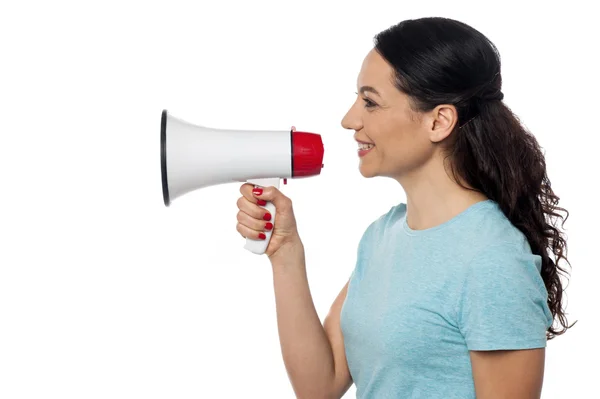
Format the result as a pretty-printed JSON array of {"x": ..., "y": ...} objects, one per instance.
[{"x": 454, "y": 293}]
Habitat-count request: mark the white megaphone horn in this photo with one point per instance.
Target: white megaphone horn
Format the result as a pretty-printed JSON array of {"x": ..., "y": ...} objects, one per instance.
[{"x": 194, "y": 156}]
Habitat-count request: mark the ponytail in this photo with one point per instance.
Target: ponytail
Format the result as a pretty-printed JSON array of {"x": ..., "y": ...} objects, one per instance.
[{"x": 496, "y": 155}]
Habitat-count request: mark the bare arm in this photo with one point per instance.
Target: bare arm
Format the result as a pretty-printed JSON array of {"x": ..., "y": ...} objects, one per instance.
[
  {"x": 514, "y": 374},
  {"x": 342, "y": 380},
  {"x": 313, "y": 353}
]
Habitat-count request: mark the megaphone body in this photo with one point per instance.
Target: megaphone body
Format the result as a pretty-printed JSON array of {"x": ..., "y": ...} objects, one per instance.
[{"x": 194, "y": 156}]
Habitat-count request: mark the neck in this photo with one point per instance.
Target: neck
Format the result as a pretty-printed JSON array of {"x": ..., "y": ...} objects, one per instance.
[{"x": 433, "y": 197}]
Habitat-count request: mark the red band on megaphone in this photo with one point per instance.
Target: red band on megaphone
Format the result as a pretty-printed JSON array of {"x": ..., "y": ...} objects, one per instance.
[{"x": 307, "y": 154}]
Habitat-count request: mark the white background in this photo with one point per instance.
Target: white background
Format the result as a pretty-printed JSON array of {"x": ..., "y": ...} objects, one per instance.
[{"x": 107, "y": 293}]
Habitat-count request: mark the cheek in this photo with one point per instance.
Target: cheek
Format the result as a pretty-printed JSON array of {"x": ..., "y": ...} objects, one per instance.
[
  {"x": 405, "y": 149},
  {"x": 396, "y": 134},
  {"x": 397, "y": 137}
]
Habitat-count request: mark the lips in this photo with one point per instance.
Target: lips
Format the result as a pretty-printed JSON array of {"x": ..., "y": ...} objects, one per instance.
[
  {"x": 363, "y": 141},
  {"x": 364, "y": 145},
  {"x": 364, "y": 149}
]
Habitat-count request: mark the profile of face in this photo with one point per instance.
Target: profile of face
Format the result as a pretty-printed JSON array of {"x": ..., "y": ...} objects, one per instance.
[{"x": 400, "y": 140}]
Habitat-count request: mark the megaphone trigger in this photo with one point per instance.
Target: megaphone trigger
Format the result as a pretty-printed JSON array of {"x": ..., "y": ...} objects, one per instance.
[{"x": 260, "y": 246}]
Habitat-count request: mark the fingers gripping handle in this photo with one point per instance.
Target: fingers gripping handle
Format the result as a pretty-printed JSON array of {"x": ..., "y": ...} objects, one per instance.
[{"x": 260, "y": 246}]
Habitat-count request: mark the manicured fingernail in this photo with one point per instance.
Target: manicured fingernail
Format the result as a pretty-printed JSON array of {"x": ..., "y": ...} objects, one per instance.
[
  {"x": 257, "y": 191},
  {"x": 261, "y": 236},
  {"x": 267, "y": 216},
  {"x": 268, "y": 226},
  {"x": 262, "y": 202}
]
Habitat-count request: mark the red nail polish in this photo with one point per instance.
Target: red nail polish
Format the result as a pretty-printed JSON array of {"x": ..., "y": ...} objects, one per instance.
[
  {"x": 262, "y": 202},
  {"x": 267, "y": 216},
  {"x": 257, "y": 191},
  {"x": 268, "y": 225},
  {"x": 261, "y": 236}
]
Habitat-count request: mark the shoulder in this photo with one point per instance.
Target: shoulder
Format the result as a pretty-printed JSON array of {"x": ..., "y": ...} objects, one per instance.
[
  {"x": 376, "y": 230},
  {"x": 500, "y": 250},
  {"x": 491, "y": 235},
  {"x": 510, "y": 262},
  {"x": 389, "y": 218},
  {"x": 502, "y": 300}
]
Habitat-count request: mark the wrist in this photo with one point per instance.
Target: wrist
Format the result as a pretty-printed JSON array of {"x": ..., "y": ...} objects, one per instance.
[{"x": 290, "y": 252}]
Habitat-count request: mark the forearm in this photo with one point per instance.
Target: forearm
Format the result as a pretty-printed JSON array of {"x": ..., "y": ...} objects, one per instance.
[{"x": 306, "y": 350}]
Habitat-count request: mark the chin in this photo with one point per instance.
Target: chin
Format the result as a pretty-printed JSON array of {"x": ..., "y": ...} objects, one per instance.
[{"x": 367, "y": 172}]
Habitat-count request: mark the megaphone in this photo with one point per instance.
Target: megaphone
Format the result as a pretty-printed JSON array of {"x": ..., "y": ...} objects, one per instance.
[{"x": 194, "y": 156}]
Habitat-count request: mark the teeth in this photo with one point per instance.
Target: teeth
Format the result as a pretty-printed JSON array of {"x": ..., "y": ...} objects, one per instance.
[{"x": 362, "y": 146}]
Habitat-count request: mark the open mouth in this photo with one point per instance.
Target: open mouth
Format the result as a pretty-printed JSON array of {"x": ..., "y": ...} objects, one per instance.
[{"x": 364, "y": 148}]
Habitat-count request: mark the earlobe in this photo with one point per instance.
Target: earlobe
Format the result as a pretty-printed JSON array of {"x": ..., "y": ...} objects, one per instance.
[{"x": 444, "y": 118}]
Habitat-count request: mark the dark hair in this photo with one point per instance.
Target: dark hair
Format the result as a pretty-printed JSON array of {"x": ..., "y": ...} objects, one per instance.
[{"x": 443, "y": 61}]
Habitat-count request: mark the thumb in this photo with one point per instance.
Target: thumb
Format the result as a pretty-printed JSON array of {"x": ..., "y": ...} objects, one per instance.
[{"x": 274, "y": 195}]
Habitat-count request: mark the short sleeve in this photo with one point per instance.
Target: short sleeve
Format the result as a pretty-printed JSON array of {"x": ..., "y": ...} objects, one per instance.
[{"x": 503, "y": 301}]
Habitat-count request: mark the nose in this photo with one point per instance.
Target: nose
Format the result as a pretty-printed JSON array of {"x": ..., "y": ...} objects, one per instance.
[{"x": 352, "y": 119}]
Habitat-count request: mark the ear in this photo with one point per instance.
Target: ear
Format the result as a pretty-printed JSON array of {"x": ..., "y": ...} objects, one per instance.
[{"x": 442, "y": 120}]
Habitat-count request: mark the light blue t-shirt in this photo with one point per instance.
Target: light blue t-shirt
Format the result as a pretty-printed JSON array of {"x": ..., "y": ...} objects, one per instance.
[{"x": 419, "y": 300}]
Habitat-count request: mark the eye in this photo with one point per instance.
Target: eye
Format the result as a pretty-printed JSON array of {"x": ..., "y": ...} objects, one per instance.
[{"x": 368, "y": 103}]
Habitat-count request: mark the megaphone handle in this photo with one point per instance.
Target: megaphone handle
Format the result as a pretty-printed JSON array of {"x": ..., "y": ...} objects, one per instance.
[{"x": 260, "y": 246}]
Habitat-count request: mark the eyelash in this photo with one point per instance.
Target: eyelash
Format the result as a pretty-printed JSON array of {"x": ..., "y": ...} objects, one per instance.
[{"x": 368, "y": 103}]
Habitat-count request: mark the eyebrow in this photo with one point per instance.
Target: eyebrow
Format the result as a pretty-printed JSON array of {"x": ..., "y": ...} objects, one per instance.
[{"x": 369, "y": 88}]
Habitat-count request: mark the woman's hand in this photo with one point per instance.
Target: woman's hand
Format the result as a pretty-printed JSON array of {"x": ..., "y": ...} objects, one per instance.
[{"x": 254, "y": 220}]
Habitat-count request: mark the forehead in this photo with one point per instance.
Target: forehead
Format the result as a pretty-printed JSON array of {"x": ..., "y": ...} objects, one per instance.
[{"x": 375, "y": 72}]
